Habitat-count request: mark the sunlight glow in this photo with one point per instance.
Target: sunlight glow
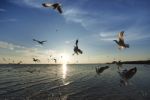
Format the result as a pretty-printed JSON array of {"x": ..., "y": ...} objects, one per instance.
[
  {"x": 64, "y": 71},
  {"x": 65, "y": 58}
]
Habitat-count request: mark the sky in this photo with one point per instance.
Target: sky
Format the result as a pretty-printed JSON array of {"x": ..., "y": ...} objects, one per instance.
[{"x": 96, "y": 23}]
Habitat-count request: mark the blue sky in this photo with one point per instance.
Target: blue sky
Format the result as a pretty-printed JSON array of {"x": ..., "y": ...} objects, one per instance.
[{"x": 95, "y": 23}]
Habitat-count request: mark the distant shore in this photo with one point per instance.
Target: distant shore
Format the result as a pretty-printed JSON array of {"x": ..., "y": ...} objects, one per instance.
[
  {"x": 134, "y": 62},
  {"x": 114, "y": 62}
]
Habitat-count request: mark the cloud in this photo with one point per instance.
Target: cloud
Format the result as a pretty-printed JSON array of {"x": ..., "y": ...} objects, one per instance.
[
  {"x": 93, "y": 20},
  {"x": 107, "y": 36},
  {"x": 8, "y": 20},
  {"x": 74, "y": 15},
  {"x": 29, "y": 3},
  {"x": 27, "y": 52},
  {"x": 6, "y": 45},
  {"x": 78, "y": 16},
  {"x": 137, "y": 36},
  {"x": 69, "y": 41},
  {"x": 35, "y": 51},
  {"x": 130, "y": 36},
  {"x": 2, "y": 10}
]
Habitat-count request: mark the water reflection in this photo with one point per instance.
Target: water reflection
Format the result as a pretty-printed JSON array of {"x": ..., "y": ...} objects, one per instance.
[{"x": 64, "y": 71}]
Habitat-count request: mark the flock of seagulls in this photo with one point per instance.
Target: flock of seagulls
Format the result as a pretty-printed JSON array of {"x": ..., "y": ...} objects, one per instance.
[
  {"x": 57, "y": 6},
  {"x": 125, "y": 74}
]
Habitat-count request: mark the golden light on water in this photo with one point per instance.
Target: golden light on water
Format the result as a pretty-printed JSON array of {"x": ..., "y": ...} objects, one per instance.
[
  {"x": 65, "y": 59},
  {"x": 64, "y": 71}
]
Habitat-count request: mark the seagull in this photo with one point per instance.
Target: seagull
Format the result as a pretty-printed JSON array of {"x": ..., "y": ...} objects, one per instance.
[
  {"x": 40, "y": 42},
  {"x": 121, "y": 43},
  {"x": 56, "y": 6},
  {"x": 19, "y": 62},
  {"x": 76, "y": 49},
  {"x": 101, "y": 69},
  {"x": 126, "y": 75},
  {"x": 36, "y": 60},
  {"x": 55, "y": 60}
]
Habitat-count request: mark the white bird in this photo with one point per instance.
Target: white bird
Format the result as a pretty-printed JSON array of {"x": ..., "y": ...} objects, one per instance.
[
  {"x": 56, "y": 6},
  {"x": 121, "y": 42}
]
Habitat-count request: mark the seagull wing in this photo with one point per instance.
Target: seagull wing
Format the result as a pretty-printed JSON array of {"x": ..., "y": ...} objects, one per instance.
[
  {"x": 59, "y": 9},
  {"x": 35, "y": 40},
  {"x": 80, "y": 51},
  {"x": 47, "y": 4},
  {"x": 76, "y": 42}
]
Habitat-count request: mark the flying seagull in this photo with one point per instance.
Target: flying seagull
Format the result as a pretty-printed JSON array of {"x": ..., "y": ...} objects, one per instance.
[
  {"x": 40, "y": 42},
  {"x": 126, "y": 75},
  {"x": 55, "y": 60},
  {"x": 76, "y": 49},
  {"x": 36, "y": 60},
  {"x": 20, "y": 62},
  {"x": 121, "y": 42},
  {"x": 56, "y": 6},
  {"x": 99, "y": 70}
]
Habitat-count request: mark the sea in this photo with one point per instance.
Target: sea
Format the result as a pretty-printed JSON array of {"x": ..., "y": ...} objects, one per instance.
[{"x": 73, "y": 82}]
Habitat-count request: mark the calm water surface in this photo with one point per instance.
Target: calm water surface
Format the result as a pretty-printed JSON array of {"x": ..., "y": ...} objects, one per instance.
[{"x": 73, "y": 82}]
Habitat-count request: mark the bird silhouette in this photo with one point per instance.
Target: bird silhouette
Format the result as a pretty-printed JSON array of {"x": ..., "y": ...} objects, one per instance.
[
  {"x": 20, "y": 62},
  {"x": 56, "y": 6},
  {"x": 126, "y": 75},
  {"x": 36, "y": 60},
  {"x": 76, "y": 49},
  {"x": 40, "y": 42},
  {"x": 55, "y": 60},
  {"x": 101, "y": 69},
  {"x": 121, "y": 42}
]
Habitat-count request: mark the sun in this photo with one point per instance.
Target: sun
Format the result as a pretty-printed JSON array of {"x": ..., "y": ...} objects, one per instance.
[{"x": 65, "y": 58}]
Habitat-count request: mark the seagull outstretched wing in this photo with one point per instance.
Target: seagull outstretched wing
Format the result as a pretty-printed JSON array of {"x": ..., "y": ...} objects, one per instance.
[
  {"x": 80, "y": 51},
  {"x": 59, "y": 9},
  {"x": 35, "y": 40},
  {"x": 47, "y": 4},
  {"x": 77, "y": 42}
]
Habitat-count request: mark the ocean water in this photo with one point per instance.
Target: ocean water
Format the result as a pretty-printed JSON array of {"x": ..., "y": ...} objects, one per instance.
[{"x": 73, "y": 82}]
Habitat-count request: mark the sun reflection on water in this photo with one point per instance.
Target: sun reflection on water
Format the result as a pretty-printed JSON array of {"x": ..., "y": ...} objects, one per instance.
[{"x": 64, "y": 70}]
